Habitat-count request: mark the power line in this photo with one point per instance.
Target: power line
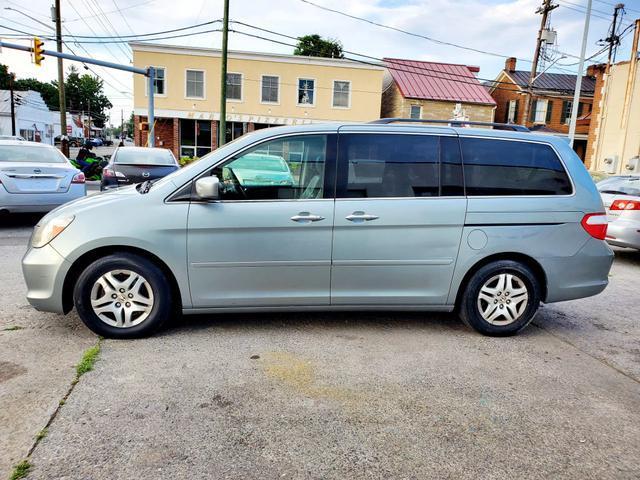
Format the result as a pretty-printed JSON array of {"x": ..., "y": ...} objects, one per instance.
[
  {"x": 390, "y": 67},
  {"x": 106, "y": 24},
  {"x": 413, "y": 34},
  {"x": 128, "y": 7}
]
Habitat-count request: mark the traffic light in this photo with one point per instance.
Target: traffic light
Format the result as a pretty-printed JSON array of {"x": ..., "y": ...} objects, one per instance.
[{"x": 38, "y": 51}]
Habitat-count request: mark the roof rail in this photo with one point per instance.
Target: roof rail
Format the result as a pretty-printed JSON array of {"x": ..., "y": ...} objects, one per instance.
[{"x": 454, "y": 123}]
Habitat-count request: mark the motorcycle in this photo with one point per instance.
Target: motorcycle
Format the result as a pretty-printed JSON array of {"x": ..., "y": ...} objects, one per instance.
[{"x": 94, "y": 170}]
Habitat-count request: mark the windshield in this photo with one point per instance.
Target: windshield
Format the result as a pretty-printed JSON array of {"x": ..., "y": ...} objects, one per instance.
[
  {"x": 620, "y": 186},
  {"x": 147, "y": 156},
  {"x": 30, "y": 154}
]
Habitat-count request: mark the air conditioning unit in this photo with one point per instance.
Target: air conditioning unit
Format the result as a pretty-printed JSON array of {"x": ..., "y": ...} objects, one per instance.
[
  {"x": 611, "y": 164},
  {"x": 633, "y": 165}
]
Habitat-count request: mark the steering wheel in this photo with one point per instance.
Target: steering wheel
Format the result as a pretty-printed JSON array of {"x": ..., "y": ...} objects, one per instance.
[{"x": 237, "y": 182}]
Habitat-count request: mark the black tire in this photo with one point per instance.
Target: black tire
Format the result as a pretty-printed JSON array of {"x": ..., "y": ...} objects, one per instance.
[
  {"x": 162, "y": 301},
  {"x": 470, "y": 311}
]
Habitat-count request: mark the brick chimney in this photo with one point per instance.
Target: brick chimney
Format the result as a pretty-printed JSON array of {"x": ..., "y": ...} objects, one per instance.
[{"x": 510, "y": 64}]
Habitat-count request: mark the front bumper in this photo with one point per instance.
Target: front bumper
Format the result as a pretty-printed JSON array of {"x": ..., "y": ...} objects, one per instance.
[
  {"x": 622, "y": 232},
  {"x": 581, "y": 275},
  {"x": 44, "y": 270}
]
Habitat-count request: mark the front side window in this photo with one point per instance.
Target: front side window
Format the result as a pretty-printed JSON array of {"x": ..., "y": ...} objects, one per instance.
[
  {"x": 234, "y": 86},
  {"x": 195, "y": 84},
  {"x": 416, "y": 112},
  {"x": 381, "y": 166},
  {"x": 269, "y": 89},
  {"x": 341, "y": 91},
  {"x": 502, "y": 167},
  {"x": 306, "y": 91},
  {"x": 290, "y": 168}
]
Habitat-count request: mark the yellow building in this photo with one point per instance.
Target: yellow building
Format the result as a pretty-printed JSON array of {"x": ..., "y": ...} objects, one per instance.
[{"x": 262, "y": 90}]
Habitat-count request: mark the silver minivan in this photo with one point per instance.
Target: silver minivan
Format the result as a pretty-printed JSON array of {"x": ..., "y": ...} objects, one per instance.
[{"x": 484, "y": 222}]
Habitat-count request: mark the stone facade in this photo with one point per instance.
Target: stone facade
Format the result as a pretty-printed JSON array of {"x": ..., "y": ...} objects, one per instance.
[{"x": 395, "y": 105}]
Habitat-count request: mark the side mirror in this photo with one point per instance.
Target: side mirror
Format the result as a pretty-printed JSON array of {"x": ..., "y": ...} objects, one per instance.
[{"x": 208, "y": 188}]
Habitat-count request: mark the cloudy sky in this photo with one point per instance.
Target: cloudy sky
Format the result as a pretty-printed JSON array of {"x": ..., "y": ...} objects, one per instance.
[{"x": 500, "y": 27}]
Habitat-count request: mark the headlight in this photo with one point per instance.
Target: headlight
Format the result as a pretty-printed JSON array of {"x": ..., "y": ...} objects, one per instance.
[{"x": 50, "y": 229}]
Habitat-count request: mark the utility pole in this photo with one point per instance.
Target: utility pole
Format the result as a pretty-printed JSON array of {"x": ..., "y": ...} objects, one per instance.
[
  {"x": 576, "y": 93},
  {"x": 13, "y": 104},
  {"x": 222, "y": 130},
  {"x": 121, "y": 124},
  {"x": 613, "y": 39},
  {"x": 64, "y": 140},
  {"x": 544, "y": 9}
]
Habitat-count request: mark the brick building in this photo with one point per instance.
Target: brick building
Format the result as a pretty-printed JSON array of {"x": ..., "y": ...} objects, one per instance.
[
  {"x": 551, "y": 102},
  {"x": 434, "y": 91}
]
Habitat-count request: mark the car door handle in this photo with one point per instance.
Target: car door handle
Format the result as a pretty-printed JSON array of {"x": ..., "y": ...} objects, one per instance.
[
  {"x": 359, "y": 217},
  {"x": 306, "y": 217}
]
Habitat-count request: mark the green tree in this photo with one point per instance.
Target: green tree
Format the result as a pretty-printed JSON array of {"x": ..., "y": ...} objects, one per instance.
[
  {"x": 316, "y": 46},
  {"x": 85, "y": 93},
  {"x": 4, "y": 77}
]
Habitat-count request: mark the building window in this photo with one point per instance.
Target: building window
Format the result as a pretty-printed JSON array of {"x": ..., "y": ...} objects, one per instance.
[
  {"x": 341, "y": 92},
  {"x": 195, "y": 84},
  {"x": 567, "y": 106},
  {"x": 234, "y": 130},
  {"x": 159, "y": 83},
  {"x": 306, "y": 91},
  {"x": 195, "y": 138},
  {"x": 541, "y": 111},
  {"x": 234, "y": 86},
  {"x": 270, "y": 89},
  {"x": 416, "y": 111},
  {"x": 512, "y": 111}
]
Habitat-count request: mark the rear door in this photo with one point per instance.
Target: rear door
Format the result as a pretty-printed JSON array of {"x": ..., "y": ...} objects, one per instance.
[{"x": 400, "y": 210}]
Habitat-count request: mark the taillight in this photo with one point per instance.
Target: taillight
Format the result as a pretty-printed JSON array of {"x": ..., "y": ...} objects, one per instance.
[
  {"x": 78, "y": 178},
  {"x": 625, "y": 205},
  {"x": 595, "y": 225},
  {"x": 107, "y": 172}
]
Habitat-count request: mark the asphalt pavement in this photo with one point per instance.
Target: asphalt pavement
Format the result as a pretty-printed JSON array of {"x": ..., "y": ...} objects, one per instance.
[{"x": 348, "y": 395}]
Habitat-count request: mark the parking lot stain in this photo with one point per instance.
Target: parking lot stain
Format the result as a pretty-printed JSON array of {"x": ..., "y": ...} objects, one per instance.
[
  {"x": 10, "y": 370},
  {"x": 298, "y": 374}
]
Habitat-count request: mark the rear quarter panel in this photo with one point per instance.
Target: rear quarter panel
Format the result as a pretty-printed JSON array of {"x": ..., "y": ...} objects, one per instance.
[{"x": 546, "y": 228}]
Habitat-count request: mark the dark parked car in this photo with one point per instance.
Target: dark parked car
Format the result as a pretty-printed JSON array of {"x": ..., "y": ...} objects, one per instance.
[
  {"x": 73, "y": 141},
  {"x": 130, "y": 165}
]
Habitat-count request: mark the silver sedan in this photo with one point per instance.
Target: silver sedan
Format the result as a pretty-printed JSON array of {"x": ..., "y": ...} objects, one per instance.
[
  {"x": 36, "y": 178},
  {"x": 621, "y": 198}
]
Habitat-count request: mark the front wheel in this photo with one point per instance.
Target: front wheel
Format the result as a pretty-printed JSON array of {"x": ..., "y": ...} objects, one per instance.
[
  {"x": 501, "y": 298},
  {"x": 123, "y": 296}
]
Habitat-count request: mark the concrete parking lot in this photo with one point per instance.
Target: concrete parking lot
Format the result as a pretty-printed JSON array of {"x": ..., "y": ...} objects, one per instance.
[{"x": 380, "y": 395}]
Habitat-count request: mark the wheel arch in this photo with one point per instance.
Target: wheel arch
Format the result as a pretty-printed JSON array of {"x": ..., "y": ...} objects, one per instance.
[
  {"x": 527, "y": 260},
  {"x": 89, "y": 257}
]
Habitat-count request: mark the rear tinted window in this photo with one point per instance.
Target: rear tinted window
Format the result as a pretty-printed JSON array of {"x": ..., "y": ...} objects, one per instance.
[
  {"x": 29, "y": 154},
  {"x": 134, "y": 156},
  {"x": 380, "y": 166},
  {"x": 502, "y": 167}
]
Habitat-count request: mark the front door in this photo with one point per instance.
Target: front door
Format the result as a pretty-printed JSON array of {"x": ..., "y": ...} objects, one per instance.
[
  {"x": 399, "y": 215},
  {"x": 267, "y": 241}
]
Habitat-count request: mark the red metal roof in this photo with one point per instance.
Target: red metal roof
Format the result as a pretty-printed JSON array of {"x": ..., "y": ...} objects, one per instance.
[{"x": 437, "y": 81}]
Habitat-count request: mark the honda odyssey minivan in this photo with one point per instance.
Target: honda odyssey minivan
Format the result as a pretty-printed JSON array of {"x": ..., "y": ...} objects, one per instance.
[{"x": 386, "y": 216}]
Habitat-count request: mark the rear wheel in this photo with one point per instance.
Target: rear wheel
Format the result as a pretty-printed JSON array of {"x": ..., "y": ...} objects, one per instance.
[
  {"x": 123, "y": 296},
  {"x": 501, "y": 298}
]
